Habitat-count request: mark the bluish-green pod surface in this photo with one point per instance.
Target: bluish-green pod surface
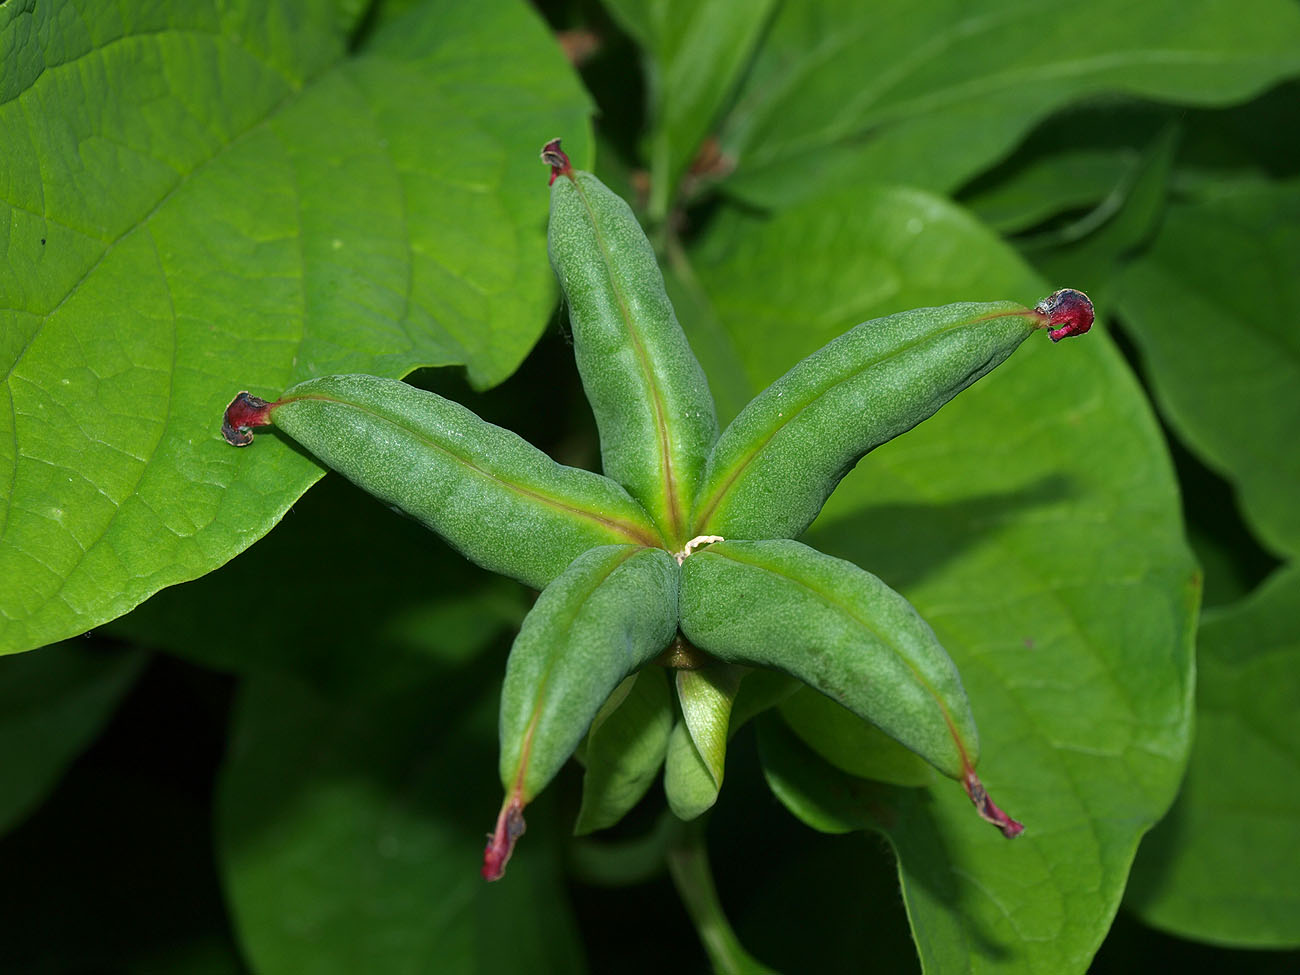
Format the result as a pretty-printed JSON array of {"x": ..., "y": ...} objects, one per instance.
[
  {"x": 649, "y": 395},
  {"x": 776, "y": 464},
  {"x": 625, "y": 750},
  {"x": 493, "y": 496},
  {"x": 837, "y": 628},
  {"x": 611, "y": 612}
]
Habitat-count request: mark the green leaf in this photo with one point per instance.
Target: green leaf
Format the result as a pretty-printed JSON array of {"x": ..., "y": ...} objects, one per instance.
[
  {"x": 350, "y": 829},
  {"x": 1211, "y": 308},
  {"x": 851, "y": 744},
  {"x": 341, "y": 594},
  {"x": 1033, "y": 522},
  {"x": 695, "y": 54},
  {"x": 930, "y": 93},
  {"x": 203, "y": 198},
  {"x": 1222, "y": 866},
  {"x": 52, "y": 705},
  {"x": 625, "y": 750},
  {"x": 1042, "y": 187}
]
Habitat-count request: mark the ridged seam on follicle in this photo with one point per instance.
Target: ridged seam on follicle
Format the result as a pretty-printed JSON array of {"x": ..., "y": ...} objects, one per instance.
[
  {"x": 510, "y": 821},
  {"x": 714, "y": 492},
  {"x": 653, "y": 408},
  {"x": 967, "y": 754},
  {"x": 634, "y": 534},
  {"x": 675, "y": 526}
]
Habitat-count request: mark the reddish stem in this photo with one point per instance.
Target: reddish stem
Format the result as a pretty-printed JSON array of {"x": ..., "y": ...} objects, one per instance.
[
  {"x": 557, "y": 159},
  {"x": 1068, "y": 312},
  {"x": 510, "y": 826},
  {"x": 245, "y": 412},
  {"x": 988, "y": 809}
]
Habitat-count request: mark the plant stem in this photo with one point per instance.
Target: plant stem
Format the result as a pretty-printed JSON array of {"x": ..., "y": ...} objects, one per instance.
[{"x": 688, "y": 863}]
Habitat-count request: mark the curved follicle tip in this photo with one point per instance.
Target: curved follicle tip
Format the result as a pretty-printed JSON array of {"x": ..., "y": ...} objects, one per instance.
[
  {"x": 557, "y": 159},
  {"x": 1067, "y": 312},
  {"x": 988, "y": 809},
  {"x": 244, "y": 412},
  {"x": 501, "y": 842}
]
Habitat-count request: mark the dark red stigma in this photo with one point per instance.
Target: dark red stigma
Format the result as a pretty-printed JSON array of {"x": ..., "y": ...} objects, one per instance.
[
  {"x": 510, "y": 826},
  {"x": 1068, "y": 312},
  {"x": 556, "y": 158},
  {"x": 987, "y": 808},
  {"x": 244, "y": 412}
]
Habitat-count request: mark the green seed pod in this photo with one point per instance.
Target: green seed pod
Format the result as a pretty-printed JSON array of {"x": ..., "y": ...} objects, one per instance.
[
  {"x": 494, "y": 497},
  {"x": 611, "y": 612},
  {"x": 705, "y": 696},
  {"x": 625, "y": 749},
  {"x": 647, "y": 390},
  {"x": 689, "y": 786},
  {"x": 776, "y": 464},
  {"x": 840, "y": 630}
]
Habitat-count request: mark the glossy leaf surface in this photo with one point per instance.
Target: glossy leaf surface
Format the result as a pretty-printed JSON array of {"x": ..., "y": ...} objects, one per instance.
[
  {"x": 200, "y": 198},
  {"x": 1212, "y": 306},
  {"x": 930, "y": 93},
  {"x": 1033, "y": 524},
  {"x": 1222, "y": 865}
]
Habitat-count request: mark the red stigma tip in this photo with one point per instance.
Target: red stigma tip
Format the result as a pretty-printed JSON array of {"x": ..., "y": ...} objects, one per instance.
[
  {"x": 244, "y": 412},
  {"x": 988, "y": 809},
  {"x": 510, "y": 826},
  {"x": 1068, "y": 312},
  {"x": 555, "y": 157}
]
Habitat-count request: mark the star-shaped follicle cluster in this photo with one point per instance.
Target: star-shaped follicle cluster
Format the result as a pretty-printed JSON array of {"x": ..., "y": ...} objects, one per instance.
[{"x": 675, "y": 575}]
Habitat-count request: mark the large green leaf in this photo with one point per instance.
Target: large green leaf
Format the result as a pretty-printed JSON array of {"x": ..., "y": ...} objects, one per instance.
[
  {"x": 695, "y": 53},
  {"x": 351, "y": 829},
  {"x": 932, "y": 92},
  {"x": 199, "y": 198},
  {"x": 52, "y": 705},
  {"x": 1033, "y": 522},
  {"x": 1212, "y": 307},
  {"x": 341, "y": 593},
  {"x": 1222, "y": 866}
]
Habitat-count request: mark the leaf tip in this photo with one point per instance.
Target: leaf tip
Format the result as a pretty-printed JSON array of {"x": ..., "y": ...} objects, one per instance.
[
  {"x": 501, "y": 842},
  {"x": 1067, "y": 312},
  {"x": 244, "y": 412},
  {"x": 988, "y": 809},
  {"x": 557, "y": 159}
]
